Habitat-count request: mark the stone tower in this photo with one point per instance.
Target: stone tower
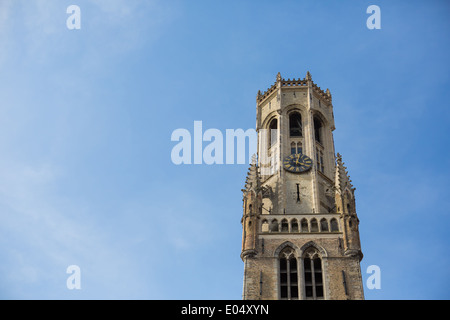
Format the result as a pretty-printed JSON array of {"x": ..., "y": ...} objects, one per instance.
[{"x": 300, "y": 237}]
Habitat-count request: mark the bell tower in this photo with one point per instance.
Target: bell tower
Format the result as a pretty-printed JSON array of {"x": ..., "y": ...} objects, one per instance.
[{"x": 300, "y": 228}]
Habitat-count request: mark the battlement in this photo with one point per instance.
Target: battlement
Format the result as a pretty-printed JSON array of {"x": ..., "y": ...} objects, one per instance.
[{"x": 305, "y": 82}]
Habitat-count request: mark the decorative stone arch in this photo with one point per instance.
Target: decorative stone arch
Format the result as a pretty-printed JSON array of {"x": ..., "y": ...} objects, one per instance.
[
  {"x": 321, "y": 117},
  {"x": 284, "y": 245},
  {"x": 271, "y": 116},
  {"x": 296, "y": 108},
  {"x": 311, "y": 244}
]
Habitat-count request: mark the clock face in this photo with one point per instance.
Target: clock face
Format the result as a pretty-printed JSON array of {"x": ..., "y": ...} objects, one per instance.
[{"x": 297, "y": 163}]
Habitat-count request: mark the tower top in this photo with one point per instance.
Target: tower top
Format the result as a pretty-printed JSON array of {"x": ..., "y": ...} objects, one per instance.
[
  {"x": 283, "y": 83},
  {"x": 300, "y": 230}
]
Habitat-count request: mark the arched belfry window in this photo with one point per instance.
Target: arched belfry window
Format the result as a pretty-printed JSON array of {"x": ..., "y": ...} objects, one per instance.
[
  {"x": 304, "y": 225},
  {"x": 288, "y": 274},
  {"x": 274, "y": 226},
  {"x": 295, "y": 124},
  {"x": 284, "y": 226},
  {"x": 265, "y": 226},
  {"x": 334, "y": 225},
  {"x": 318, "y": 134},
  {"x": 273, "y": 132},
  {"x": 312, "y": 273},
  {"x": 323, "y": 225},
  {"x": 294, "y": 225},
  {"x": 314, "y": 225}
]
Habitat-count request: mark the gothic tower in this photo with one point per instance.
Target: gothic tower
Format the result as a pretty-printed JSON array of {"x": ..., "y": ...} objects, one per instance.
[{"x": 300, "y": 237}]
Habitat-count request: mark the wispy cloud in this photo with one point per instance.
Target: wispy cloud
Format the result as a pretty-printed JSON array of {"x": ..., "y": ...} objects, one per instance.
[
  {"x": 43, "y": 226},
  {"x": 108, "y": 28},
  {"x": 43, "y": 233}
]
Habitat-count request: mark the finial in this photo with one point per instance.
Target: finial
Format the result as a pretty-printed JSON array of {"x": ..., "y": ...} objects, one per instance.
[
  {"x": 308, "y": 75},
  {"x": 328, "y": 92},
  {"x": 279, "y": 76},
  {"x": 259, "y": 94}
]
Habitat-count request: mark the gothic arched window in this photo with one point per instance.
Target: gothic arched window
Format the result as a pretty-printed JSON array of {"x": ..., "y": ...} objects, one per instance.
[
  {"x": 273, "y": 131},
  {"x": 274, "y": 226},
  {"x": 334, "y": 225},
  {"x": 324, "y": 225},
  {"x": 294, "y": 225},
  {"x": 295, "y": 124},
  {"x": 265, "y": 226},
  {"x": 314, "y": 225},
  {"x": 304, "y": 225},
  {"x": 312, "y": 269},
  {"x": 288, "y": 274},
  {"x": 284, "y": 225},
  {"x": 318, "y": 130}
]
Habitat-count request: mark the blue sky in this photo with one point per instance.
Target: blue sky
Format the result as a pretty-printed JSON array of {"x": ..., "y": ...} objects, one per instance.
[{"x": 86, "y": 118}]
